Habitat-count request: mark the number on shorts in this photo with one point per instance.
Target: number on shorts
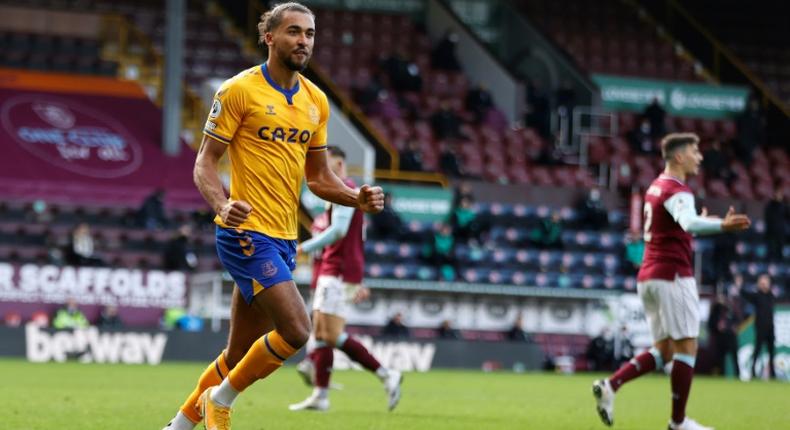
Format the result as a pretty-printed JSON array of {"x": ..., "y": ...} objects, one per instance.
[{"x": 648, "y": 221}]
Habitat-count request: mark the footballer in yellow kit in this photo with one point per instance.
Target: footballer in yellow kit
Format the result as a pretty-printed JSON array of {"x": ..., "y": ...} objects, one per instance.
[
  {"x": 273, "y": 124},
  {"x": 269, "y": 130}
]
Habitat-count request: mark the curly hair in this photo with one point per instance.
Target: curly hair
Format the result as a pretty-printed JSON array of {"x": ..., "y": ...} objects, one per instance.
[{"x": 272, "y": 19}]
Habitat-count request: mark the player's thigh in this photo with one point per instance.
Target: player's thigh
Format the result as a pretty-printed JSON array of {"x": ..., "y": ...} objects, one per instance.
[
  {"x": 247, "y": 324},
  {"x": 327, "y": 327},
  {"x": 285, "y": 306},
  {"x": 240, "y": 257},
  {"x": 680, "y": 310},
  {"x": 651, "y": 304},
  {"x": 330, "y": 296}
]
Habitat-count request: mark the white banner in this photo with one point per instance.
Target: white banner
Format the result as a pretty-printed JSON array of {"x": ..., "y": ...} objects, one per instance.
[
  {"x": 31, "y": 283},
  {"x": 627, "y": 310},
  {"x": 472, "y": 312}
]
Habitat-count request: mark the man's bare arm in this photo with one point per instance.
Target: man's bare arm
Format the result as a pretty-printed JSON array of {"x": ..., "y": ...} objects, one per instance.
[
  {"x": 206, "y": 177},
  {"x": 327, "y": 186}
]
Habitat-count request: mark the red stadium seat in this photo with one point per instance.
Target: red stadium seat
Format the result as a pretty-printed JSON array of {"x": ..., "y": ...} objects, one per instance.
[
  {"x": 686, "y": 125},
  {"x": 518, "y": 174},
  {"x": 626, "y": 121},
  {"x": 564, "y": 177},
  {"x": 541, "y": 176},
  {"x": 717, "y": 188},
  {"x": 742, "y": 188},
  {"x": 494, "y": 173},
  {"x": 706, "y": 128},
  {"x": 684, "y": 71},
  {"x": 473, "y": 166},
  {"x": 764, "y": 189},
  {"x": 666, "y": 69},
  {"x": 727, "y": 129}
]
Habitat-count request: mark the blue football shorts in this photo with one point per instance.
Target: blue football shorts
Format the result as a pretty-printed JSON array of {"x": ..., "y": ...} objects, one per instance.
[{"x": 255, "y": 260}]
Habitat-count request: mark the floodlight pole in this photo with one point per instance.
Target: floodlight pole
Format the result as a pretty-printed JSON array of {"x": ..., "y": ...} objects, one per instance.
[{"x": 174, "y": 68}]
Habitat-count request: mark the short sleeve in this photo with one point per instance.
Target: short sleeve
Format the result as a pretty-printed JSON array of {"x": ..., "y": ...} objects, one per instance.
[
  {"x": 318, "y": 141},
  {"x": 227, "y": 111}
]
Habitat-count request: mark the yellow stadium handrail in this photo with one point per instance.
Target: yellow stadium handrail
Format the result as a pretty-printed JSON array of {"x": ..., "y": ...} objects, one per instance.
[
  {"x": 399, "y": 175},
  {"x": 721, "y": 50}
]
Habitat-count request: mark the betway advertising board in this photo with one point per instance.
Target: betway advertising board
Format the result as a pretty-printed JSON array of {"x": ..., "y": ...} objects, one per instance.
[
  {"x": 678, "y": 98},
  {"x": 412, "y": 203},
  {"x": 91, "y": 345}
]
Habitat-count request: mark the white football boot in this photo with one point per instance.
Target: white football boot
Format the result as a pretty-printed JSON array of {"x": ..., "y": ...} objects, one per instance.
[
  {"x": 392, "y": 385},
  {"x": 687, "y": 424},
  {"x": 312, "y": 403},
  {"x": 604, "y": 398}
]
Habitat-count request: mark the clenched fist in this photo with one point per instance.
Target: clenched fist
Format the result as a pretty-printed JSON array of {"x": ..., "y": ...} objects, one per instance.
[
  {"x": 371, "y": 199},
  {"x": 235, "y": 212}
]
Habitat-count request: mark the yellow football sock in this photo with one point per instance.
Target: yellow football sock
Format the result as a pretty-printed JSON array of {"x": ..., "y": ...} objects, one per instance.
[
  {"x": 213, "y": 375},
  {"x": 264, "y": 357}
]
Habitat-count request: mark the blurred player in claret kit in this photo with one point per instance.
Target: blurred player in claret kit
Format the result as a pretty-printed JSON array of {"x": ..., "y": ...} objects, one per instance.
[
  {"x": 338, "y": 283},
  {"x": 666, "y": 282},
  {"x": 273, "y": 122}
]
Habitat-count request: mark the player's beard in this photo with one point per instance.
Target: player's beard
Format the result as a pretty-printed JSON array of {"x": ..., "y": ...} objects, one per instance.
[{"x": 292, "y": 65}]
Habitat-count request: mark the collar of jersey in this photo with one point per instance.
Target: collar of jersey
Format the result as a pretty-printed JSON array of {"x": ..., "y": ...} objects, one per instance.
[
  {"x": 289, "y": 94},
  {"x": 666, "y": 176}
]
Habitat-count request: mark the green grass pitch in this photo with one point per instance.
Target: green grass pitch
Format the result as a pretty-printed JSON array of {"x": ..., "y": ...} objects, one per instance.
[{"x": 113, "y": 397}]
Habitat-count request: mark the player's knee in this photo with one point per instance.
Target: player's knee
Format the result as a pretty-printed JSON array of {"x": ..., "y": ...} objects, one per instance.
[
  {"x": 321, "y": 336},
  {"x": 325, "y": 337},
  {"x": 296, "y": 336},
  {"x": 299, "y": 339}
]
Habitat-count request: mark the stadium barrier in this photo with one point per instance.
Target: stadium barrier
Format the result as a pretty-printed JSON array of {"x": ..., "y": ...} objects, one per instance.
[{"x": 153, "y": 347}]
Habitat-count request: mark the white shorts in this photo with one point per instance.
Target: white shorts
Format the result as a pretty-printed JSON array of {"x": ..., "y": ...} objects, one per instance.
[
  {"x": 671, "y": 307},
  {"x": 333, "y": 296}
]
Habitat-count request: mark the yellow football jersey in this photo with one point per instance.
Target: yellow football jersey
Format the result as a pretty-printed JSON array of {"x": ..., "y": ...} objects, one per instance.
[{"x": 268, "y": 130}]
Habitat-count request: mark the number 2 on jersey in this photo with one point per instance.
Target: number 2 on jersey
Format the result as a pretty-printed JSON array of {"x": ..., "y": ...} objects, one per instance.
[{"x": 648, "y": 221}]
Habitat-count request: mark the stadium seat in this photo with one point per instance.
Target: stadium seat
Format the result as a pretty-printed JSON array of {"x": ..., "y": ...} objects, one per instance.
[
  {"x": 379, "y": 270},
  {"x": 546, "y": 280},
  {"x": 523, "y": 278}
]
